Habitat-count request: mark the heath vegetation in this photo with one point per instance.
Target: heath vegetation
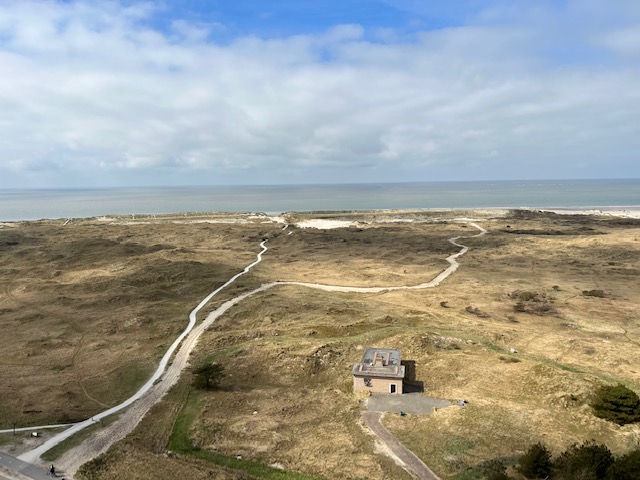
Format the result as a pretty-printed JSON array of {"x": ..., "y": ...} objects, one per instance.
[{"x": 89, "y": 307}]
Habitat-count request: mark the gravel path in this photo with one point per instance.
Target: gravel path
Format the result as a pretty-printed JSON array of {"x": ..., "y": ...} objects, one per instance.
[
  {"x": 158, "y": 385},
  {"x": 394, "y": 449}
]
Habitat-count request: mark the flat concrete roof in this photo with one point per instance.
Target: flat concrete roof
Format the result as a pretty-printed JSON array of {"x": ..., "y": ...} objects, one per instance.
[{"x": 380, "y": 362}]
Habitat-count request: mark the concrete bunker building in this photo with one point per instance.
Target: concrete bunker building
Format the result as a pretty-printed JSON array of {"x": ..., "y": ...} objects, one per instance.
[{"x": 380, "y": 371}]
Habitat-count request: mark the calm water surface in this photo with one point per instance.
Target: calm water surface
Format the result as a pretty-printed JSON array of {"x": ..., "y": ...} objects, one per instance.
[{"x": 24, "y": 204}]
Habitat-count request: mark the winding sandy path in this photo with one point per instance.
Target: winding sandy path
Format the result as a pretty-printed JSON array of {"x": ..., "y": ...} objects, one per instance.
[
  {"x": 33, "y": 455},
  {"x": 394, "y": 449},
  {"x": 453, "y": 266},
  {"x": 161, "y": 381}
]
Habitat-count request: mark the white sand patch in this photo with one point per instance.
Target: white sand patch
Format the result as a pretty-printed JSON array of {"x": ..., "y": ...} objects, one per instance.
[
  {"x": 216, "y": 220},
  {"x": 382, "y": 448},
  {"x": 395, "y": 220},
  {"x": 494, "y": 212},
  {"x": 630, "y": 212},
  {"x": 243, "y": 221},
  {"x": 325, "y": 224}
]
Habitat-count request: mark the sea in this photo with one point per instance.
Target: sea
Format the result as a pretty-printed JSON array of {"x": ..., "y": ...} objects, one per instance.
[{"x": 35, "y": 204}]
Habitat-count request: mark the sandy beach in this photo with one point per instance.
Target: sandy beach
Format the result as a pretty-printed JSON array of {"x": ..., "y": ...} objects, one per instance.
[{"x": 623, "y": 212}]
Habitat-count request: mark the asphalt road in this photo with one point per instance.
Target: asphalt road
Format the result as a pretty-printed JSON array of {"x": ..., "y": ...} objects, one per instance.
[{"x": 24, "y": 469}]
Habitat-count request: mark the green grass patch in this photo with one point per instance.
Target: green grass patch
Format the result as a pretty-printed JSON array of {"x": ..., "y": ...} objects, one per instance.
[
  {"x": 131, "y": 377},
  {"x": 493, "y": 347},
  {"x": 478, "y": 472},
  {"x": 226, "y": 353},
  {"x": 8, "y": 438},
  {"x": 75, "y": 440},
  {"x": 59, "y": 368},
  {"x": 180, "y": 442},
  {"x": 471, "y": 473},
  {"x": 570, "y": 368},
  {"x": 458, "y": 445},
  {"x": 333, "y": 331},
  {"x": 379, "y": 333}
]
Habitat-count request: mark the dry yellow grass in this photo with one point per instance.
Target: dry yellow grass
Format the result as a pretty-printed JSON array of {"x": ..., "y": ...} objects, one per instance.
[
  {"x": 288, "y": 351},
  {"x": 87, "y": 309}
]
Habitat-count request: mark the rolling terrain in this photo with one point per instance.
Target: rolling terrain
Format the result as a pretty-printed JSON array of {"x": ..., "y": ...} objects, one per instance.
[{"x": 89, "y": 307}]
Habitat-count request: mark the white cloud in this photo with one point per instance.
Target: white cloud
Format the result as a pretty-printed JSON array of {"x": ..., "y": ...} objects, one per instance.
[
  {"x": 88, "y": 90},
  {"x": 625, "y": 41}
]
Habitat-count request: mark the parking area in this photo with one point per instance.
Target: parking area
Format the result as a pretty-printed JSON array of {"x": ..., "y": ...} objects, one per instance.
[{"x": 413, "y": 403}]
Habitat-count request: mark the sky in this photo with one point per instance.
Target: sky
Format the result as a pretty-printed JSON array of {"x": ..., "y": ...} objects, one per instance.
[{"x": 218, "y": 92}]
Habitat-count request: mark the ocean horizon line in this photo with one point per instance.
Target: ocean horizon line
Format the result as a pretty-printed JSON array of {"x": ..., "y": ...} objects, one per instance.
[
  {"x": 338, "y": 184},
  {"x": 35, "y": 204}
]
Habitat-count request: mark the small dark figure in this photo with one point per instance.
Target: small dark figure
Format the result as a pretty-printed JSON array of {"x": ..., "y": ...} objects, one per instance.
[{"x": 52, "y": 470}]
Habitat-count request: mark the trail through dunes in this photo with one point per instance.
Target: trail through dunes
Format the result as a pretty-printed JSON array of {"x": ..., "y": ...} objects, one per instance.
[{"x": 166, "y": 375}]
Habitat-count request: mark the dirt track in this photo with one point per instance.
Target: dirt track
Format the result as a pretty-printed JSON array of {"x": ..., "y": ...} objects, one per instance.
[{"x": 398, "y": 452}]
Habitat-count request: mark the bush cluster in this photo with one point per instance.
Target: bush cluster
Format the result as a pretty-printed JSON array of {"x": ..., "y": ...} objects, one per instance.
[
  {"x": 536, "y": 462},
  {"x": 594, "y": 293},
  {"x": 477, "y": 312},
  {"x": 617, "y": 404},
  {"x": 207, "y": 376},
  {"x": 588, "y": 461},
  {"x": 533, "y": 302}
]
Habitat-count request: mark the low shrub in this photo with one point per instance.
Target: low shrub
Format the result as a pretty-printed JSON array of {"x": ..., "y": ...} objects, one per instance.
[
  {"x": 527, "y": 296},
  {"x": 477, "y": 312},
  {"x": 494, "y": 470},
  {"x": 626, "y": 467},
  {"x": 533, "y": 302},
  {"x": 509, "y": 359},
  {"x": 536, "y": 462},
  {"x": 594, "y": 293},
  {"x": 208, "y": 376},
  {"x": 588, "y": 461},
  {"x": 617, "y": 404}
]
